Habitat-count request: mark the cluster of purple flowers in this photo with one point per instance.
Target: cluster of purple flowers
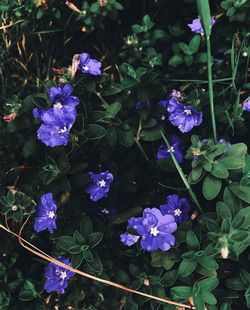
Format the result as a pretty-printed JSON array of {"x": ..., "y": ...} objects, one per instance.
[
  {"x": 155, "y": 227},
  {"x": 59, "y": 118}
]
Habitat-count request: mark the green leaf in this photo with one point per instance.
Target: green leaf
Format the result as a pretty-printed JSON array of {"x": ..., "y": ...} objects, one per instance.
[
  {"x": 112, "y": 89},
  {"x": 209, "y": 298},
  {"x": 27, "y": 295},
  {"x": 169, "y": 278},
  {"x": 95, "y": 7},
  {"x": 96, "y": 264},
  {"x": 181, "y": 291},
  {"x": 196, "y": 173},
  {"x": 175, "y": 60},
  {"x": 129, "y": 70},
  {"x": 77, "y": 259},
  {"x": 126, "y": 137},
  {"x": 153, "y": 134},
  {"x": 219, "y": 171},
  {"x": 74, "y": 249},
  {"x": 184, "y": 47},
  {"x": 211, "y": 187},
  {"x": 86, "y": 226},
  {"x": 208, "y": 284},
  {"x": 41, "y": 100},
  {"x": 113, "y": 110},
  {"x": 237, "y": 150},
  {"x": 223, "y": 211},
  {"x": 66, "y": 242},
  {"x": 242, "y": 219},
  {"x": 186, "y": 268},
  {"x": 232, "y": 162},
  {"x": 194, "y": 44},
  {"x": 78, "y": 237},
  {"x": 94, "y": 132},
  {"x": 204, "y": 12},
  {"x": 242, "y": 192},
  {"x": 188, "y": 60},
  {"x": 94, "y": 238},
  {"x": 207, "y": 262},
  {"x": 29, "y": 147},
  {"x": 198, "y": 301},
  {"x": 235, "y": 284},
  {"x": 88, "y": 256},
  {"x": 192, "y": 241}
]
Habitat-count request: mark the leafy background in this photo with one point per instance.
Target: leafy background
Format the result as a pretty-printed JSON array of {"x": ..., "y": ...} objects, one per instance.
[{"x": 147, "y": 50}]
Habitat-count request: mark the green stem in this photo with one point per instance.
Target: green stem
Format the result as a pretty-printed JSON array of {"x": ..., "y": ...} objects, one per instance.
[
  {"x": 141, "y": 149},
  {"x": 104, "y": 102},
  {"x": 182, "y": 175},
  {"x": 210, "y": 87}
]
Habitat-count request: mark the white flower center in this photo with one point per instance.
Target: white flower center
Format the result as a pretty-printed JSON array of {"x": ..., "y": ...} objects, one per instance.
[
  {"x": 51, "y": 214},
  {"x": 58, "y": 105},
  {"x": 177, "y": 212},
  {"x": 102, "y": 183},
  {"x": 163, "y": 118},
  {"x": 63, "y": 275},
  {"x": 62, "y": 130},
  {"x": 154, "y": 231},
  {"x": 105, "y": 211},
  {"x": 171, "y": 150},
  {"x": 85, "y": 67},
  {"x": 188, "y": 111}
]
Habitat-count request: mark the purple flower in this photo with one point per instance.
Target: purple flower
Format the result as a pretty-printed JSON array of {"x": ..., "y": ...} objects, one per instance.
[
  {"x": 46, "y": 214},
  {"x": 175, "y": 148},
  {"x": 57, "y": 277},
  {"x": 55, "y": 128},
  {"x": 60, "y": 98},
  {"x": 184, "y": 117},
  {"x": 99, "y": 186},
  {"x": 129, "y": 239},
  {"x": 89, "y": 65},
  {"x": 196, "y": 25},
  {"x": 246, "y": 105},
  {"x": 177, "y": 207},
  {"x": 155, "y": 229}
]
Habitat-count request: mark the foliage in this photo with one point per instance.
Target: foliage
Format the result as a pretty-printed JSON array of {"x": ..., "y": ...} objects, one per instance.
[{"x": 146, "y": 50}]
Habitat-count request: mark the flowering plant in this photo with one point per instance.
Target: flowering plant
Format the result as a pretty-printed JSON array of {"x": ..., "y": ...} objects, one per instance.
[{"x": 124, "y": 155}]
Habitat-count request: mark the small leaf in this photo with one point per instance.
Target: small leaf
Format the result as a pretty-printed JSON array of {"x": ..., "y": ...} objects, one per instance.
[
  {"x": 242, "y": 192},
  {"x": 192, "y": 241},
  {"x": 194, "y": 44},
  {"x": 175, "y": 60},
  {"x": 181, "y": 291},
  {"x": 94, "y": 132},
  {"x": 66, "y": 242},
  {"x": 211, "y": 187},
  {"x": 94, "y": 238},
  {"x": 86, "y": 227}
]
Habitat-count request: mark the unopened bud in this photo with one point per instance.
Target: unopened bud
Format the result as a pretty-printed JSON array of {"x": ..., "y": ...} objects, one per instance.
[
  {"x": 224, "y": 252},
  {"x": 14, "y": 208},
  {"x": 146, "y": 282},
  {"x": 197, "y": 152}
]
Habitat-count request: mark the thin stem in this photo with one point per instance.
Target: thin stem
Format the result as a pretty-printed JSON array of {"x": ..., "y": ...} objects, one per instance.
[
  {"x": 210, "y": 87},
  {"x": 104, "y": 102},
  {"x": 141, "y": 149},
  {"x": 182, "y": 175}
]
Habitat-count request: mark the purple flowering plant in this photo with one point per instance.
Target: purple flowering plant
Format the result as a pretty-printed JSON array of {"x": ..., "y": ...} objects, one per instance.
[
  {"x": 57, "y": 277},
  {"x": 98, "y": 158},
  {"x": 45, "y": 217}
]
